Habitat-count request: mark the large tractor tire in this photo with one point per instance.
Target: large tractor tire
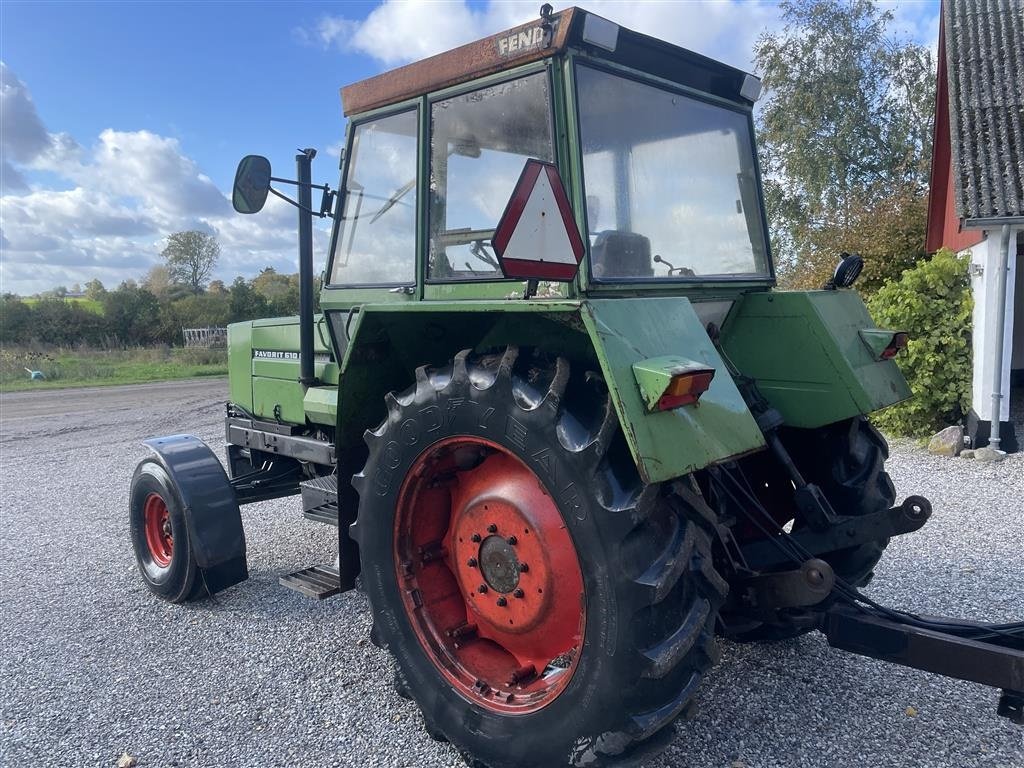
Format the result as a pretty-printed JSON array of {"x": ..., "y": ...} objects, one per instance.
[
  {"x": 847, "y": 461},
  {"x": 160, "y": 536},
  {"x": 544, "y": 607}
]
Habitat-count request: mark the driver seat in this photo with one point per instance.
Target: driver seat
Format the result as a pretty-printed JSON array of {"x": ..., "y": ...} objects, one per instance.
[{"x": 621, "y": 254}]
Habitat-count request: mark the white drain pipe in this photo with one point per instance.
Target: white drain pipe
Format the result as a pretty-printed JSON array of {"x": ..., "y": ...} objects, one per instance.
[
  {"x": 1003, "y": 223},
  {"x": 997, "y": 359}
]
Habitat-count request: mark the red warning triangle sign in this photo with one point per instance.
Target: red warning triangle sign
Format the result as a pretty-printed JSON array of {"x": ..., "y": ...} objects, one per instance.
[{"x": 537, "y": 237}]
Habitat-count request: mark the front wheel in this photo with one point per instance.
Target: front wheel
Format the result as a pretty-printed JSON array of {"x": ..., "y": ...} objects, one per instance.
[
  {"x": 544, "y": 607},
  {"x": 159, "y": 535}
]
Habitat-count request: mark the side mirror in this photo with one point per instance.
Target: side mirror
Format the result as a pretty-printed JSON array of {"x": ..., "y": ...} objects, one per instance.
[{"x": 252, "y": 184}]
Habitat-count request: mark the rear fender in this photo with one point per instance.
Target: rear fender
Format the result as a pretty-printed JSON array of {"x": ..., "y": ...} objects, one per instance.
[
  {"x": 666, "y": 444},
  {"x": 211, "y": 511},
  {"x": 816, "y": 355},
  {"x": 610, "y": 334}
]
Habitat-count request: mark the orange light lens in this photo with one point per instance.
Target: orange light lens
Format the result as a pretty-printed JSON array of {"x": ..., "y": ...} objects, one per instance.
[
  {"x": 899, "y": 341},
  {"x": 685, "y": 389}
]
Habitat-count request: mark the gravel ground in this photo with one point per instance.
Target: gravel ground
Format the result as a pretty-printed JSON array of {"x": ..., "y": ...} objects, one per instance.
[{"x": 92, "y": 665}]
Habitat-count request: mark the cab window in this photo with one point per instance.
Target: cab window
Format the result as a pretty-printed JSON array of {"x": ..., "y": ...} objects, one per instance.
[
  {"x": 478, "y": 144},
  {"x": 671, "y": 185},
  {"x": 376, "y": 240}
]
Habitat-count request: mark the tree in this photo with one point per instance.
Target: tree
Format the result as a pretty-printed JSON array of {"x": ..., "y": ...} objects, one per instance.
[
  {"x": 845, "y": 123},
  {"x": 132, "y": 314},
  {"x": 887, "y": 230},
  {"x": 280, "y": 291},
  {"x": 15, "y": 319},
  {"x": 245, "y": 303},
  {"x": 191, "y": 257},
  {"x": 94, "y": 290}
]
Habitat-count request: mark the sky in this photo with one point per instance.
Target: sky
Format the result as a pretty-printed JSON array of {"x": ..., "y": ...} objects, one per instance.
[{"x": 123, "y": 122}]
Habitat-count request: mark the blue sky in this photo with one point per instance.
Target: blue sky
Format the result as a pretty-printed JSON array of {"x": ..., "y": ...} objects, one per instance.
[{"x": 123, "y": 122}]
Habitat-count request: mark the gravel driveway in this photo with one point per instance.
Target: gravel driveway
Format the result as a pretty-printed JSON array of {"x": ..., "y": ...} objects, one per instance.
[{"x": 93, "y": 666}]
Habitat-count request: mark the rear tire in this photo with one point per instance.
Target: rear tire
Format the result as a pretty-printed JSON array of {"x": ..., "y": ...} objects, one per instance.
[
  {"x": 649, "y": 594},
  {"x": 160, "y": 536}
]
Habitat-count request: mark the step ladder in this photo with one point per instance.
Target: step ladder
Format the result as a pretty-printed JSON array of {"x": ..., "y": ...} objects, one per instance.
[
  {"x": 320, "y": 504},
  {"x": 320, "y": 499},
  {"x": 318, "y": 582}
]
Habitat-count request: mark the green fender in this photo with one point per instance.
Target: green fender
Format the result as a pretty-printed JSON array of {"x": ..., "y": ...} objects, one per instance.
[{"x": 388, "y": 343}]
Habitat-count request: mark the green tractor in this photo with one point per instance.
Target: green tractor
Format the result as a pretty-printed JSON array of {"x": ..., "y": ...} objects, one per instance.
[{"x": 566, "y": 429}]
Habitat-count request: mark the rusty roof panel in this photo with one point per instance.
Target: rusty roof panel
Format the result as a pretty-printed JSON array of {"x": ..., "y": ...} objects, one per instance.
[{"x": 504, "y": 50}]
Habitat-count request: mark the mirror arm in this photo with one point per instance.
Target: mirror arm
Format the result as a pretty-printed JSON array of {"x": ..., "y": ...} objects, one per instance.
[
  {"x": 299, "y": 184},
  {"x": 287, "y": 199}
]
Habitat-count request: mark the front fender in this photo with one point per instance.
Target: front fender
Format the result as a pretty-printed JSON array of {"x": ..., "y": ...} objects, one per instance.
[{"x": 211, "y": 511}]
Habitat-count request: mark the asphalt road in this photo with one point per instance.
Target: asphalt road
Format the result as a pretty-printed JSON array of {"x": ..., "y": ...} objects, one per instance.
[{"x": 92, "y": 665}]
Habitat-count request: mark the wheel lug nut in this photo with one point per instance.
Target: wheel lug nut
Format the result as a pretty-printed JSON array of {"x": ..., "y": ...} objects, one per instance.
[
  {"x": 482, "y": 589},
  {"x": 519, "y": 593},
  {"x": 475, "y": 538},
  {"x": 512, "y": 540},
  {"x": 502, "y": 602},
  {"x": 471, "y": 562},
  {"x": 492, "y": 528},
  {"x": 523, "y": 567}
]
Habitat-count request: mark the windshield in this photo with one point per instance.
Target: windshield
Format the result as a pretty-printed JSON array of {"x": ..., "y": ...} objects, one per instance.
[{"x": 670, "y": 180}]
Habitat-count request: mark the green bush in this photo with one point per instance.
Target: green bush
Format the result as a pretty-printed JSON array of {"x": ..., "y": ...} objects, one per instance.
[{"x": 933, "y": 302}]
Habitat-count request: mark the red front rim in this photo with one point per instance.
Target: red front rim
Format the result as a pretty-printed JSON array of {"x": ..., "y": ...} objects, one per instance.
[
  {"x": 158, "y": 530},
  {"x": 489, "y": 576}
]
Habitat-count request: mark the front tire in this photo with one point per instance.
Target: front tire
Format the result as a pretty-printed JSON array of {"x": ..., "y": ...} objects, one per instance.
[
  {"x": 498, "y": 461},
  {"x": 160, "y": 536}
]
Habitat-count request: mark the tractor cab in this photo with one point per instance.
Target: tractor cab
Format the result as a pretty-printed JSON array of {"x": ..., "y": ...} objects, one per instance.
[{"x": 653, "y": 145}]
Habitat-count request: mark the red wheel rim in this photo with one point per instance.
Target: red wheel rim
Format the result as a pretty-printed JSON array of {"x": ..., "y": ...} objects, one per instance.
[
  {"x": 158, "y": 530},
  {"x": 489, "y": 576}
]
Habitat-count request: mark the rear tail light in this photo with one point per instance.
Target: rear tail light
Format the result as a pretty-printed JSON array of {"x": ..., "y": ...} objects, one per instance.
[
  {"x": 884, "y": 344},
  {"x": 898, "y": 342},
  {"x": 685, "y": 388}
]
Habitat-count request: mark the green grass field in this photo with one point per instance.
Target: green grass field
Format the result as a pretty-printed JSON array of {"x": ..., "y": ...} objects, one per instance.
[
  {"x": 91, "y": 305},
  {"x": 95, "y": 367}
]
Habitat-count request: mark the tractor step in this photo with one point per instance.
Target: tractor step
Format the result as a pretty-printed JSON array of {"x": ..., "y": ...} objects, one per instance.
[
  {"x": 318, "y": 582},
  {"x": 320, "y": 499}
]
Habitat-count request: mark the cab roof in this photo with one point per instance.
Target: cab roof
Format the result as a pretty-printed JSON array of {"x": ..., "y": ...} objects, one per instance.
[{"x": 544, "y": 38}]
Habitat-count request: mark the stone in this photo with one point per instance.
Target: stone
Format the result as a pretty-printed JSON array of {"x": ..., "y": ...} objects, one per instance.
[
  {"x": 127, "y": 761},
  {"x": 948, "y": 442},
  {"x": 988, "y": 454},
  {"x": 967, "y": 454}
]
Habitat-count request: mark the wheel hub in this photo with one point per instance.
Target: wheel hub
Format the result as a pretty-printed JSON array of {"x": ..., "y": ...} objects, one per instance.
[
  {"x": 157, "y": 524},
  {"x": 489, "y": 575},
  {"x": 499, "y": 564}
]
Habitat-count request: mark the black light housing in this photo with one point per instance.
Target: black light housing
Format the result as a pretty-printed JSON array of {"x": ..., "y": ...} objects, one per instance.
[{"x": 847, "y": 271}]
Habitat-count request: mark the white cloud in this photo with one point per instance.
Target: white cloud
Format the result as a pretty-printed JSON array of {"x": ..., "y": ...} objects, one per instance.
[
  {"x": 23, "y": 137},
  {"x": 128, "y": 191},
  {"x": 400, "y": 31}
]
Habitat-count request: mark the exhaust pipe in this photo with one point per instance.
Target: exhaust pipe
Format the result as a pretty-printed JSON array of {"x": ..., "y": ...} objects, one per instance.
[{"x": 304, "y": 175}]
